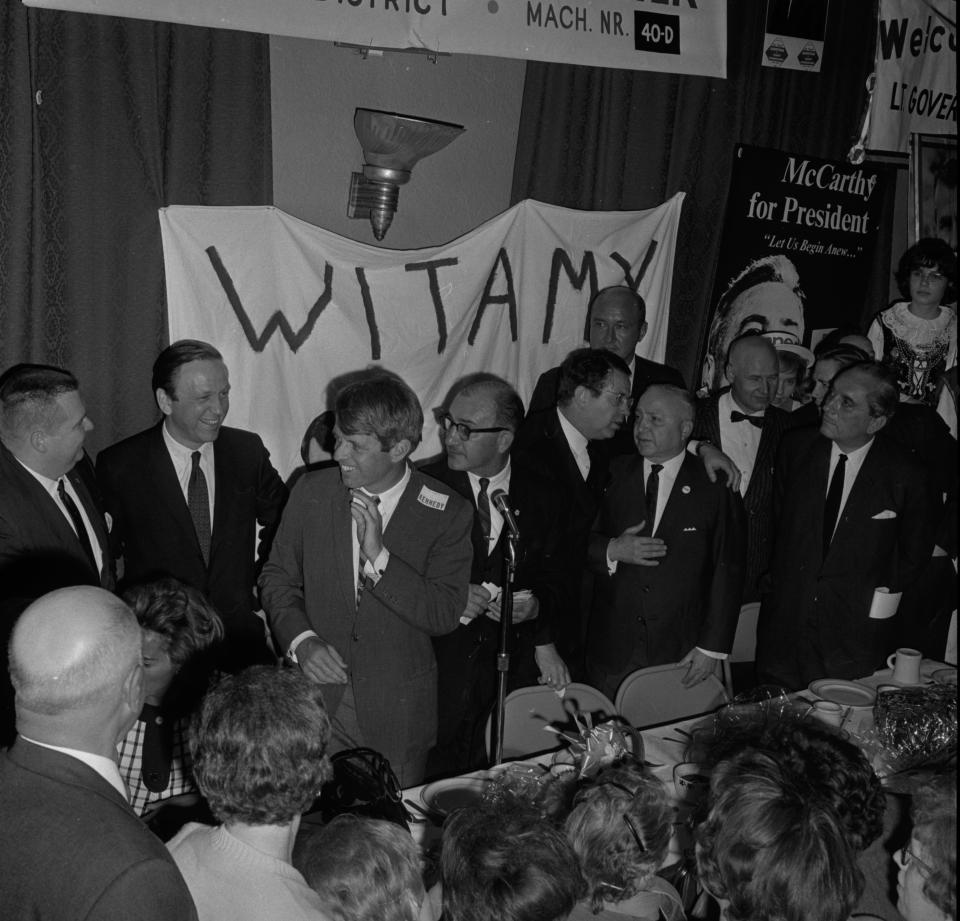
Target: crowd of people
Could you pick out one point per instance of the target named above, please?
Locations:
(190, 638)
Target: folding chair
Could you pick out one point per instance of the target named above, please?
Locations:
(650, 696)
(528, 710)
(744, 642)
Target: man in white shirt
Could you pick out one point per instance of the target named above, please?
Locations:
(188, 496)
(570, 445)
(75, 664)
(480, 420)
(53, 531)
(854, 528)
(668, 547)
(742, 423)
(369, 562)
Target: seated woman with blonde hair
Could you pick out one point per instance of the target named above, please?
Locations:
(620, 828)
(364, 870)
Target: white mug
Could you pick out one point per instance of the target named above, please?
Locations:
(829, 712)
(906, 665)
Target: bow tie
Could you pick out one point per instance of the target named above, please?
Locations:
(756, 421)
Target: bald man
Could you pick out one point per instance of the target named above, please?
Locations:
(616, 321)
(668, 547)
(70, 845)
(741, 422)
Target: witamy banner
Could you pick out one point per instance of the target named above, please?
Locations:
(673, 36)
(915, 74)
(293, 307)
(796, 250)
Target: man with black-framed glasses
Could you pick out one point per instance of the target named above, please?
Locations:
(482, 415)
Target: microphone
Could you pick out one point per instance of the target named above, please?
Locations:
(501, 502)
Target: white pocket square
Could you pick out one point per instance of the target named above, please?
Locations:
(886, 513)
(688, 529)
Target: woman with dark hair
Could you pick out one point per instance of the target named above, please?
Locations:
(772, 848)
(620, 827)
(178, 626)
(917, 337)
(259, 746)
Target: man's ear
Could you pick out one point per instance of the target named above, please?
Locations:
(38, 441)
(400, 450)
(164, 401)
(686, 429)
(505, 441)
(132, 688)
(875, 424)
(643, 332)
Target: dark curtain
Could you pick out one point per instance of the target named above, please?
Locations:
(602, 139)
(103, 121)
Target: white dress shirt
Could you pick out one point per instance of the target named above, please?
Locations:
(182, 458)
(855, 461)
(375, 569)
(51, 487)
(738, 440)
(578, 444)
(498, 481)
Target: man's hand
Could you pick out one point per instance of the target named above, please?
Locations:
(639, 551)
(366, 514)
(477, 600)
(553, 670)
(525, 607)
(321, 662)
(715, 461)
(700, 666)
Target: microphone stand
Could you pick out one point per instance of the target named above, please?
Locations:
(503, 654)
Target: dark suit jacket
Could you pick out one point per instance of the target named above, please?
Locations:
(654, 615)
(645, 373)
(72, 848)
(39, 550)
(883, 538)
(310, 583)
(466, 658)
(155, 534)
(758, 500)
(542, 446)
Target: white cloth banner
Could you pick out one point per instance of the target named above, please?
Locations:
(915, 73)
(680, 38)
(292, 306)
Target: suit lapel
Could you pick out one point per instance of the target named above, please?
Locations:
(95, 516)
(673, 512)
(162, 477)
(858, 504)
(341, 534)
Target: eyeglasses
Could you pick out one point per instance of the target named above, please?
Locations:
(619, 397)
(907, 857)
(464, 431)
(928, 275)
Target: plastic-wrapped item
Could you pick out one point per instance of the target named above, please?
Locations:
(603, 744)
(916, 726)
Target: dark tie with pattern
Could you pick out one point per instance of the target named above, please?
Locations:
(831, 507)
(483, 508)
(653, 488)
(756, 421)
(198, 501)
(361, 559)
(77, 520)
